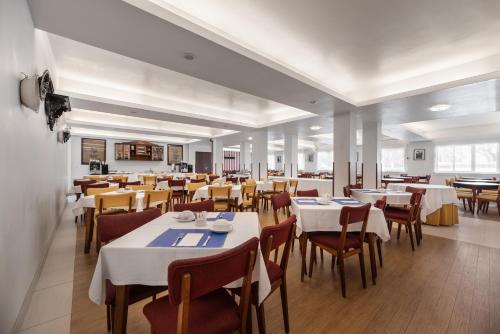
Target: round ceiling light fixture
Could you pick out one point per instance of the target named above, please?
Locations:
(250, 138)
(440, 107)
(315, 127)
(189, 56)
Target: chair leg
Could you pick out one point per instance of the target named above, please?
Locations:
(312, 258)
(411, 237)
(321, 254)
(261, 319)
(379, 251)
(108, 317)
(417, 237)
(333, 262)
(342, 275)
(284, 305)
(399, 230)
(362, 268)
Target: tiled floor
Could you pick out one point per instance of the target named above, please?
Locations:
(50, 307)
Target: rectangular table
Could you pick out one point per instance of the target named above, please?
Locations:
(394, 197)
(128, 260)
(202, 193)
(325, 218)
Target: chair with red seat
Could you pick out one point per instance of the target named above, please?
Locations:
(82, 184)
(271, 239)
(406, 216)
(418, 225)
(308, 193)
(381, 204)
(178, 190)
(281, 202)
(112, 227)
(343, 244)
(207, 205)
(347, 189)
(196, 304)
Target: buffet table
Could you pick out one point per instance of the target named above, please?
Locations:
(439, 204)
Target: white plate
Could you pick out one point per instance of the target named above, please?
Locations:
(227, 229)
(184, 220)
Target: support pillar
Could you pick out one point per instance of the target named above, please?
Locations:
(344, 151)
(291, 155)
(217, 155)
(371, 153)
(259, 154)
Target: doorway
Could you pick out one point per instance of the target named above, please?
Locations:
(203, 162)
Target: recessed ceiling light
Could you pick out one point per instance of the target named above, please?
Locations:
(440, 107)
(315, 127)
(189, 56)
(250, 138)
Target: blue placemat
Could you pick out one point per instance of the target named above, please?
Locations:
(304, 201)
(229, 216)
(347, 201)
(167, 238)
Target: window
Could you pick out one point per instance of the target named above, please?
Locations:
(271, 164)
(325, 160)
(393, 159)
(486, 157)
(300, 161)
(482, 158)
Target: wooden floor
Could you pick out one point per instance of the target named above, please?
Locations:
(445, 286)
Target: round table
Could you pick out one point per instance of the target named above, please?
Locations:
(476, 188)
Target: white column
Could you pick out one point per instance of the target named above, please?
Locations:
(371, 153)
(217, 155)
(344, 151)
(259, 154)
(245, 156)
(290, 155)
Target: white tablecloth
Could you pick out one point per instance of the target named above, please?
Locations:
(435, 196)
(264, 185)
(127, 260)
(89, 202)
(393, 197)
(202, 193)
(316, 218)
(323, 186)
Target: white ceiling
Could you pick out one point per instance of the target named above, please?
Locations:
(362, 51)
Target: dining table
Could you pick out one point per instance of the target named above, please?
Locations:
(476, 187)
(439, 204)
(314, 216)
(387, 180)
(393, 197)
(143, 256)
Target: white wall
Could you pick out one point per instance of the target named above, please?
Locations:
(33, 165)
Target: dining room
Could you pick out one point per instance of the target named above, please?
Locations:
(250, 166)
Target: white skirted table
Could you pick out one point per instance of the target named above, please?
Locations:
(439, 204)
(322, 185)
(394, 197)
(132, 259)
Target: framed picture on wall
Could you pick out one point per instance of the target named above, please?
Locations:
(174, 154)
(278, 159)
(93, 149)
(419, 154)
(310, 157)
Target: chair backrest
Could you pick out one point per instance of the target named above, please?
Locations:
(114, 226)
(415, 179)
(351, 215)
(415, 201)
(410, 189)
(250, 182)
(279, 186)
(107, 201)
(80, 182)
(408, 180)
(96, 177)
(141, 187)
(213, 177)
(272, 237)
(192, 186)
(187, 279)
(207, 205)
(177, 184)
(119, 178)
(95, 184)
(126, 184)
(223, 192)
(293, 184)
(157, 197)
(281, 201)
(308, 193)
(96, 191)
(347, 189)
(198, 181)
(381, 203)
(233, 180)
(149, 179)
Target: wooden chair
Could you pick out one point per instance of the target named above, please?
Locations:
(119, 178)
(126, 184)
(212, 177)
(83, 184)
(249, 198)
(484, 199)
(192, 187)
(178, 190)
(278, 187)
(406, 217)
(111, 227)
(380, 204)
(196, 304)
(292, 187)
(250, 182)
(145, 187)
(158, 198)
(94, 185)
(271, 239)
(308, 193)
(96, 178)
(207, 205)
(344, 244)
(107, 204)
(149, 179)
(347, 189)
(97, 191)
(221, 197)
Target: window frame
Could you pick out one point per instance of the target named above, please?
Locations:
(473, 158)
